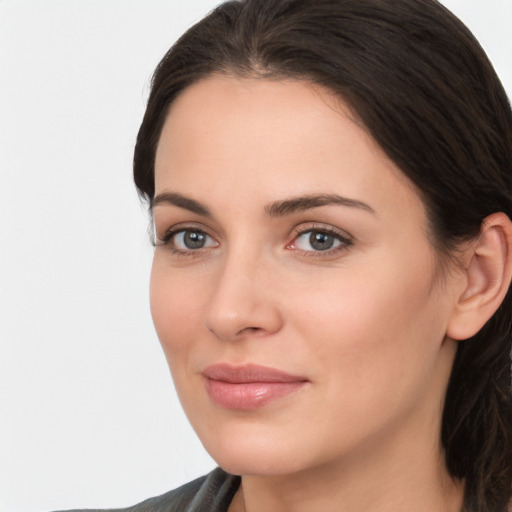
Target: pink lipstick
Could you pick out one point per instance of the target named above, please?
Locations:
(249, 386)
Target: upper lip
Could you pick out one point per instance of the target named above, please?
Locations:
(248, 373)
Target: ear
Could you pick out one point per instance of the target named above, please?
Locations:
(487, 273)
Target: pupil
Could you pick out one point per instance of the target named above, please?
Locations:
(194, 240)
(321, 241)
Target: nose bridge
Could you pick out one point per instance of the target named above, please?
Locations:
(241, 302)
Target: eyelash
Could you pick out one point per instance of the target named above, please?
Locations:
(344, 241)
(167, 240)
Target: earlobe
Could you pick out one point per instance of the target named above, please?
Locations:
(488, 275)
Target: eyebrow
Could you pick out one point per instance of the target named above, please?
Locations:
(181, 202)
(297, 204)
(276, 209)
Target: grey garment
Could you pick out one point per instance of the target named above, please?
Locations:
(211, 493)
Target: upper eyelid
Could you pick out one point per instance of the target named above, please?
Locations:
(184, 226)
(320, 227)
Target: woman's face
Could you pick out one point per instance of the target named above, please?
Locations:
(294, 288)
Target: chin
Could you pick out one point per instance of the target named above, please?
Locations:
(254, 462)
(240, 450)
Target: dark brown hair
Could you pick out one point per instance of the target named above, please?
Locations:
(422, 86)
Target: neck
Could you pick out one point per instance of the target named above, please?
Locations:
(416, 481)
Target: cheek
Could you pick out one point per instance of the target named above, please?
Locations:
(372, 326)
(372, 351)
(175, 308)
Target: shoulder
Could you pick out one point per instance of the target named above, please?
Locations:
(211, 493)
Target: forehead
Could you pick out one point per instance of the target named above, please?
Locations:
(274, 137)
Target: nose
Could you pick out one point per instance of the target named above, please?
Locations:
(244, 302)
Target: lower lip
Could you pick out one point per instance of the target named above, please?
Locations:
(249, 395)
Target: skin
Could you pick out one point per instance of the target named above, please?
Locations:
(364, 322)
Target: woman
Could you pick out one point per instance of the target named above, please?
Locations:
(331, 189)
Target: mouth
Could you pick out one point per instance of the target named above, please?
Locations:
(250, 386)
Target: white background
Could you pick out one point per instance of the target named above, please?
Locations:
(88, 415)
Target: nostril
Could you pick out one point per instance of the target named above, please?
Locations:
(249, 330)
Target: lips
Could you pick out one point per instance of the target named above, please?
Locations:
(249, 386)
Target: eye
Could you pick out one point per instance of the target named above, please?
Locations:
(185, 240)
(319, 240)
